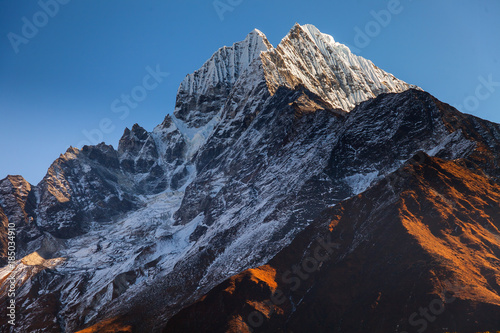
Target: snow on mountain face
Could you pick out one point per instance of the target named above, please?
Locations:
(386, 244)
(304, 57)
(327, 68)
(202, 93)
(252, 154)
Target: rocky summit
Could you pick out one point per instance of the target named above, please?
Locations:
(296, 188)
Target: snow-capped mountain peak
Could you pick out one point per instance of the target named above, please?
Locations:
(304, 57)
(323, 41)
(215, 79)
(327, 68)
(251, 157)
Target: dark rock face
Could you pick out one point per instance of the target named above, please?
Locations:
(283, 187)
(209, 104)
(302, 168)
(328, 69)
(17, 206)
(18, 200)
(81, 186)
(134, 143)
(95, 183)
(140, 157)
(427, 225)
(206, 90)
(178, 145)
(337, 154)
(260, 148)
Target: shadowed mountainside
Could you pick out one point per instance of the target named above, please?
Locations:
(430, 238)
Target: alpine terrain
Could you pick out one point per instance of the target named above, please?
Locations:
(294, 188)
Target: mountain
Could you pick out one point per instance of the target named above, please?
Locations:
(419, 256)
(326, 68)
(265, 146)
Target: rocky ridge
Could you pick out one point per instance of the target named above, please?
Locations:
(261, 141)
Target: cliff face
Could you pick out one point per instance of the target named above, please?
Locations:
(328, 69)
(420, 252)
(17, 207)
(262, 143)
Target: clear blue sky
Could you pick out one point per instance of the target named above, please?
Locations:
(64, 79)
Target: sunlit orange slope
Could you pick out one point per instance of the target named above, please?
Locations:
(429, 237)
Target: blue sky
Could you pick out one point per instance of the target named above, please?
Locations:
(64, 77)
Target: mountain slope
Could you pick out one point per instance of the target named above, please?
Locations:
(261, 142)
(203, 93)
(432, 241)
(366, 148)
(327, 68)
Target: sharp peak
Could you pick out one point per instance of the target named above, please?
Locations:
(135, 128)
(14, 178)
(251, 35)
(72, 149)
(256, 32)
(311, 30)
(304, 26)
